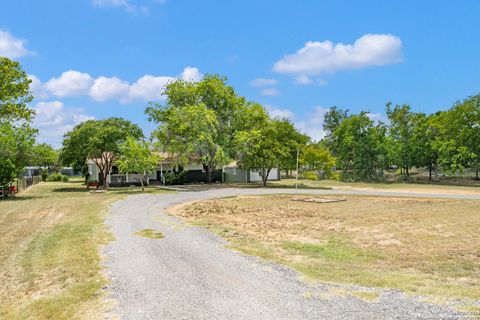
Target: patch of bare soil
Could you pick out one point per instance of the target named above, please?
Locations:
(420, 245)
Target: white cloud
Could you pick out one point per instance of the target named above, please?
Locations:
(270, 92)
(263, 82)
(280, 113)
(150, 87)
(312, 123)
(37, 88)
(191, 74)
(53, 120)
(303, 79)
(75, 83)
(326, 57)
(11, 47)
(104, 88)
(70, 83)
(321, 82)
(127, 5)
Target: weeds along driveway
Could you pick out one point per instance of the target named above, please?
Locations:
(186, 272)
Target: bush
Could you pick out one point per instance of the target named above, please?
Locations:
(175, 177)
(44, 174)
(334, 175)
(57, 177)
(7, 171)
(310, 175)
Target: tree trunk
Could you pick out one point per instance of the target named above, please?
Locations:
(430, 171)
(141, 182)
(105, 181)
(209, 173)
(265, 173)
(476, 173)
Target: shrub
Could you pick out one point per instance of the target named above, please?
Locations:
(44, 174)
(335, 175)
(57, 177)
(175, 177)
(310, 175)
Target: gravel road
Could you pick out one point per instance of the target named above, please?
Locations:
(190, 274)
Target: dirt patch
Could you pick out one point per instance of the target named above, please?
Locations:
(423, 246)
(318, 200)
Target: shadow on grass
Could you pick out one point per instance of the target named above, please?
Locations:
(281, 186)
(72, 189)
(19, 198)
(132, 191)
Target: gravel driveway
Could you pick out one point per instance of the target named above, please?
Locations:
(190, 274)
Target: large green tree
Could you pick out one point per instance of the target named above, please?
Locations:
(200, 121)
(137, 156)
(267, 146)
(16, 143)
(401, 131)
(360, 148)
(44, 155)
(16, 136)
(15, 92)
(317, 158)
(98, 141)
(461, 128)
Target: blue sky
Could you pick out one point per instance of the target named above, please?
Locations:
(100, 58)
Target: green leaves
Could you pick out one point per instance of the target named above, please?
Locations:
(201, 119)
(14, 92)
(359, 147)
(99, 141)
(317, 158)
(16, 143)
(44, 155)
(137, 156)
(272, 144)
(16, 136)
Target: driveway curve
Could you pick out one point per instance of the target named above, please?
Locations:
(189, 274)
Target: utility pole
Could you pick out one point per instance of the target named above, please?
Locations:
(296, 175)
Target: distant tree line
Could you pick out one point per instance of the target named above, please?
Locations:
(446, 140)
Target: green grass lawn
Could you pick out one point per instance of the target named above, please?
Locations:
(50, 262)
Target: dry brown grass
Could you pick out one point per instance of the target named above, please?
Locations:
(50, 263)
(425, 247)
(384, 187)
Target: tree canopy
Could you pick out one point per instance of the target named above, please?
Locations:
(270, 145)
(200, 120)
(360, 148)
(137, 156)
(16, 136)
(15, 92)
(44, 155)
(98, 141)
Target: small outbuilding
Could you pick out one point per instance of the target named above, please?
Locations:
(233, 173)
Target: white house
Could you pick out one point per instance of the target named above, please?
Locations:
(194, 172)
